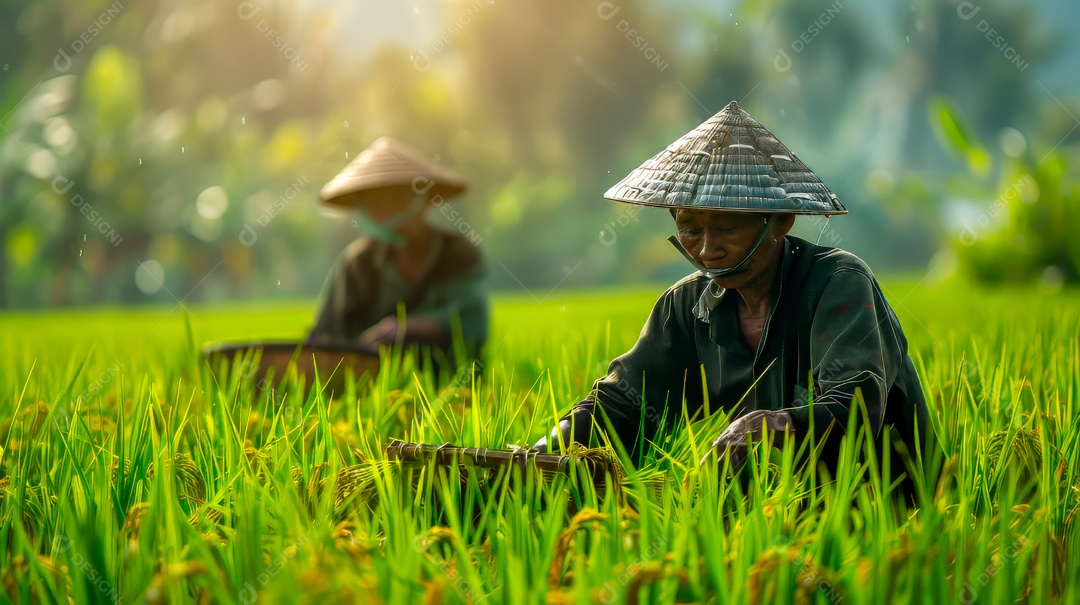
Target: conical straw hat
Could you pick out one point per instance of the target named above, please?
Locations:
(729, 162)
(389, 162)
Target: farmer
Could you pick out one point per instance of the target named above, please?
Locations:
(764, 314)
(437, 275)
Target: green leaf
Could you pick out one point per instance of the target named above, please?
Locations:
(955, 136)
(112, 87)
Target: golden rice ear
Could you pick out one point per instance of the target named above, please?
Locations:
(132, 523)
(599, 462)
(1071, 524)
(1016, 460)
(355, 486)
(729, 162)
(18, 575)
(1022, 453)
(309, 492)
(586, 518)
(190, 488)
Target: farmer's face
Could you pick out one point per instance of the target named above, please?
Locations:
(720, 240)
(384, 203)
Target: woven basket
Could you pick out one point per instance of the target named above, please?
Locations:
(272, 362)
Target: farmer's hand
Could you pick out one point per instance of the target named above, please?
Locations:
(569, 430)
(319, 339)
(734, 443)
(383, 333)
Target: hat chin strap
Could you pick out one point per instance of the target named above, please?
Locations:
(714, 273)
(385, 231)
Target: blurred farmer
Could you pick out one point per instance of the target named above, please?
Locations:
(435, 275)
(767, 324)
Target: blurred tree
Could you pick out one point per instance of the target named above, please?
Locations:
(158, 104)
(988, 73)
(559, 96)
(192, 135)
(1021, 229)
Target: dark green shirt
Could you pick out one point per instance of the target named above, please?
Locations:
(829, 330)
(365, 286)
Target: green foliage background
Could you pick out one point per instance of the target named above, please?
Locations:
(141, 110)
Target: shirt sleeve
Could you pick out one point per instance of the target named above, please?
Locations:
(341, 304)
(855, 345)
(648, 380)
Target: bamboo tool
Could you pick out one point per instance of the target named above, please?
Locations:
(272, 360)
(580, 464)
(419, 454)
(595, 464)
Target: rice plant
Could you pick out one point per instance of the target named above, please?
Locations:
(133, 470)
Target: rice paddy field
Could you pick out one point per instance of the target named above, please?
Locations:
(134, 471)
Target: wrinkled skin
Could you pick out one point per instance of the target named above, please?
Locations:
(733, 445)
(720, 240)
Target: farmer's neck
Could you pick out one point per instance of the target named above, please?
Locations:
(756, 288)
(414, 255)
